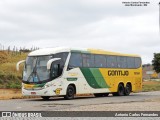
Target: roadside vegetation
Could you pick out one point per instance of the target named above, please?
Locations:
(9, 77)
(151, 86)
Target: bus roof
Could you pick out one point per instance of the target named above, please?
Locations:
(50, 51)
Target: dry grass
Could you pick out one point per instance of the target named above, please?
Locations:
(151, 86)
(10, 93)
(150, 82)
(9, 77)
(13, 94)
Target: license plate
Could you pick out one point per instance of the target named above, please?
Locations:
(33, 93)
(28, 86)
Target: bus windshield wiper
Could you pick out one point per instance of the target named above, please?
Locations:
(34, 70)
(34, 73)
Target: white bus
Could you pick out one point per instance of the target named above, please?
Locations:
(66, 71)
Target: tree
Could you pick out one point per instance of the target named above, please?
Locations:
(156, 62)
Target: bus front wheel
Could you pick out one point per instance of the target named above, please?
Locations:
(69, 93)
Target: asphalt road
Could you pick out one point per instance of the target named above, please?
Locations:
(59, 104)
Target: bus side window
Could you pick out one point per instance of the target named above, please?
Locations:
(63, 57)
(84, 59)
(122, 62)
(100, 61)
(55, 70)
(131, 62)
(111, 61)
(88, 60)
(119, 66)
(137, 62)
(75, 60)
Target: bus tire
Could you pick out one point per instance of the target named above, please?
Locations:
(120, 91)
(127, 89)
(101, 94)
(69, 93)
(45, 97)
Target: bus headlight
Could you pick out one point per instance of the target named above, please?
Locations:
(47, 85)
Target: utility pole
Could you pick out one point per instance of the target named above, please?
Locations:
(159, 17)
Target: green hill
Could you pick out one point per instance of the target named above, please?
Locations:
(9, 77)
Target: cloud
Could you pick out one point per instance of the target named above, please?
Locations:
(104, 24)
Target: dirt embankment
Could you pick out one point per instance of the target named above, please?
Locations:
(10, 93)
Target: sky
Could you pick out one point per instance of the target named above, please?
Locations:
(102, 24)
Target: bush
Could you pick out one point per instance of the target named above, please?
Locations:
(1, 81)
(10, 80)
(9, 77)
(16, 86)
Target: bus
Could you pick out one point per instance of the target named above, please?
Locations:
(64, 71)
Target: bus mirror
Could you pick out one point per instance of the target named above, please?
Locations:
(49, 63)
(17, 66)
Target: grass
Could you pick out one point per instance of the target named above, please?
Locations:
(9, 77)
(151, 86)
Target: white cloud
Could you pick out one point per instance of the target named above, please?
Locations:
(104, 24)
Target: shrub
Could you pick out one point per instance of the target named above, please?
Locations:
(9, 77)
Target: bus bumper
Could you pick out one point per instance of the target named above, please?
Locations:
(42, 92)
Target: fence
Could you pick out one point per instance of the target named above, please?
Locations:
(16, 50)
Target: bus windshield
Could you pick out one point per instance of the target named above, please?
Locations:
(35, 70)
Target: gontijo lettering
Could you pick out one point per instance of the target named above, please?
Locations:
(118, 73)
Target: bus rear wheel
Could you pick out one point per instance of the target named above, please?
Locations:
(120, 91)
(101, 94)
(69, 93)
(127, 89)
(45, 97)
